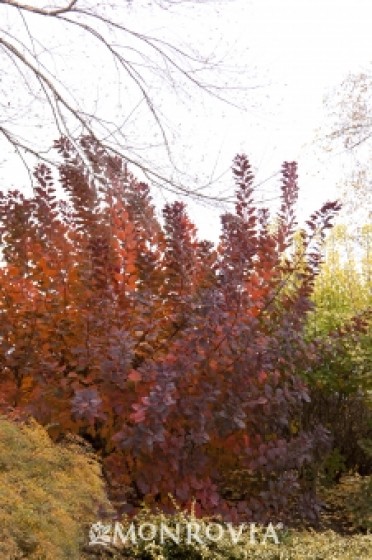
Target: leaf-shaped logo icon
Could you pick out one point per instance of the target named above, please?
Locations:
(100, 534)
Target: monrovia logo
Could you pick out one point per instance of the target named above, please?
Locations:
(116, 534)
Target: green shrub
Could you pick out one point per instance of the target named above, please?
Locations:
(333, 468)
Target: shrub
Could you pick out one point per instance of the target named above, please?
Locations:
(47, 494)
(178, 360)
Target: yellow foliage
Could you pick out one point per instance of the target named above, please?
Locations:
(344, 287)
(49, 494)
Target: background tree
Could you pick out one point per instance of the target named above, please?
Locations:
(341, 386)
(349, 133)
(344, 287)
(122, 66)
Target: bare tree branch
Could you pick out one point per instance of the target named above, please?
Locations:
(348, 133)
(41, 11)
(134, 55)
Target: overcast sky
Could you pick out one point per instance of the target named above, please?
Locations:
(285, 55)
(302, 49)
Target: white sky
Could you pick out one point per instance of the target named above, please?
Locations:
(294, 50)
(303, 48)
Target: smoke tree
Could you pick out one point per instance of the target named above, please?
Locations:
(179, 361)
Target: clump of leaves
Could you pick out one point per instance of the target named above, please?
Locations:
(47, 494)
(333, 467)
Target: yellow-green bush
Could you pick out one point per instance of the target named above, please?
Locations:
(293, 545)
(48, 493)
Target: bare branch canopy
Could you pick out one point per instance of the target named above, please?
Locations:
(36, 81)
